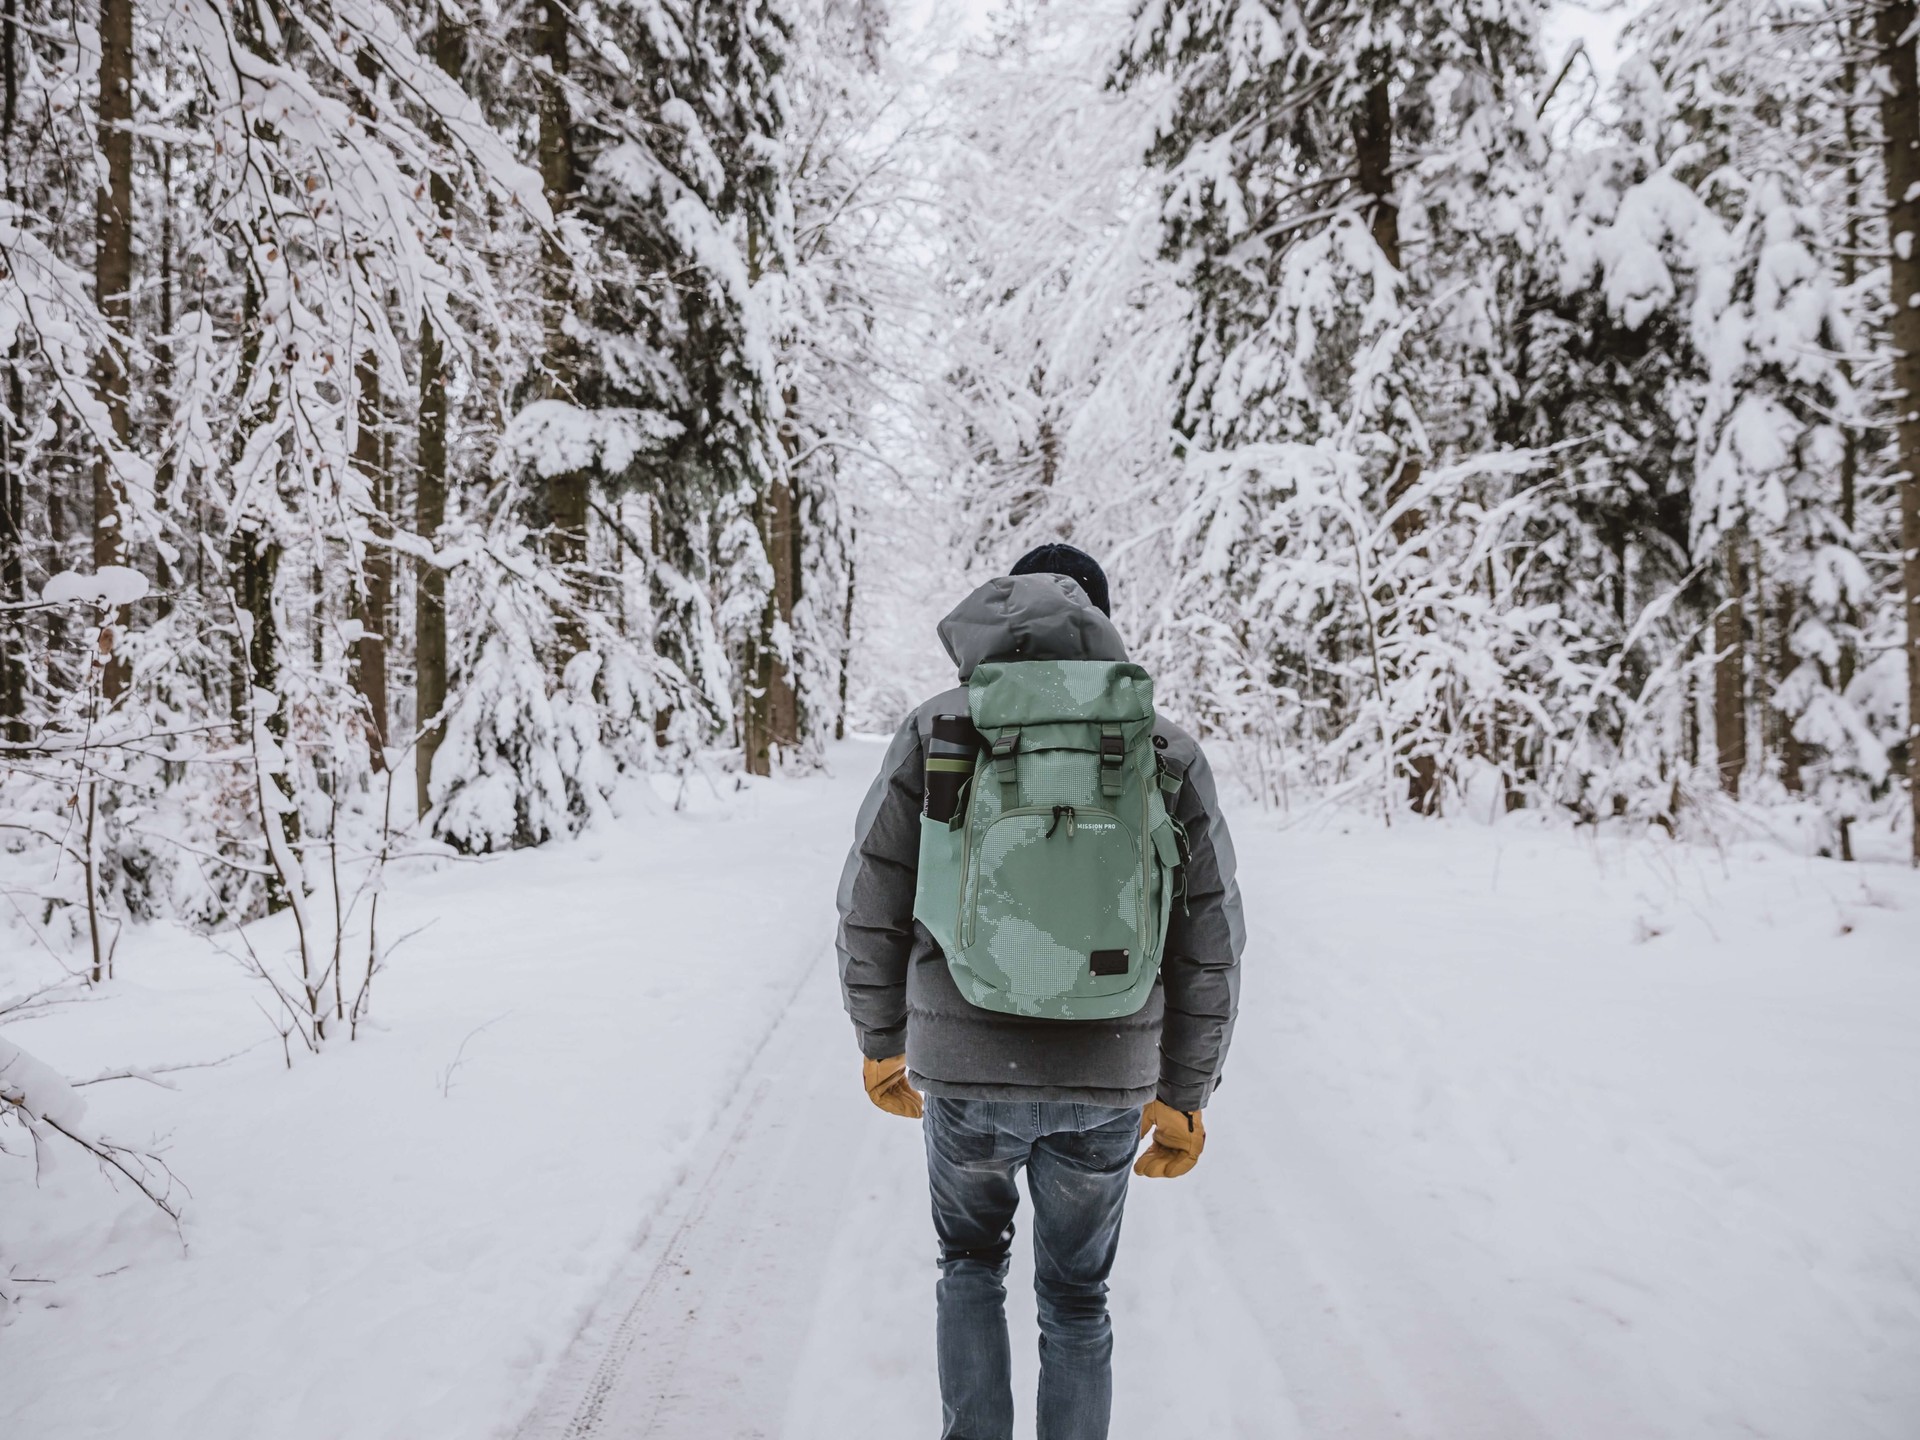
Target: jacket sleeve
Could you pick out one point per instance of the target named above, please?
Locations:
(875, 937)
(1204, 941)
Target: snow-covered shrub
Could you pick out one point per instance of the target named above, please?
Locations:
(518, 764)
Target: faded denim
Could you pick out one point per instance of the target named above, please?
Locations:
(1078, 1159)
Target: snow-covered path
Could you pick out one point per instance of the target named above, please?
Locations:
(1524, 1134)
(1488, 1166)
(786, 1289)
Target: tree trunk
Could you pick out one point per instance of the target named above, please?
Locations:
(1690, 709)
(770, 717)
(1900, 128)
(13, 483)
(566, 495)
(163, 376)
(790, 723)
(1762, 736)
(1730, 670)
(255, 559)
(1793, 756)
(664, 716)
(1849, 486)
(62, 476)
(1373, 156)
(430, 581)
(237, 548)
(846, 634)
(13, 632)
(756, 748)
(372, 588)
(770, 709)
(1854, 206)
(783, 533)
(430, 496)
(370, 650)
(113, 291)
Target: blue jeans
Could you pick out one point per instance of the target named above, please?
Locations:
(1078, 1159)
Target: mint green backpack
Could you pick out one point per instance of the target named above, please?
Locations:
(1050, 889)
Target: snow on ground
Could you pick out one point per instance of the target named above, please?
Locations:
(395, 1239)
(1525, 1133)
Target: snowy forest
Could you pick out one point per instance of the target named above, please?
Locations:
(434, 412)
(444, 442)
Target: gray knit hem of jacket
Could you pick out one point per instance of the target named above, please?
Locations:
(894, 978)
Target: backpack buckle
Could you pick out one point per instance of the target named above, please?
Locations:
(1113, 756)
(1006, 758)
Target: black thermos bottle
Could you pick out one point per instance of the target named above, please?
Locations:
(952, 754)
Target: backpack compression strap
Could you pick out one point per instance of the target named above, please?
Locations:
(1171, 779)
(1113, 755)
(1006, 757)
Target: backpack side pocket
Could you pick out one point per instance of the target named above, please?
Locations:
(936, 886)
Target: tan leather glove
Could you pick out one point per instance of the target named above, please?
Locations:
(887, 1086)
(1178, 1138)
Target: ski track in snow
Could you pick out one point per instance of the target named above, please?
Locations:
(1524, 1135)
(789, 1287)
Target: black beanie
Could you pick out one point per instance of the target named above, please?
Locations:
(1076, 565)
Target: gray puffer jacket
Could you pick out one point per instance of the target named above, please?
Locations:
(895, 980)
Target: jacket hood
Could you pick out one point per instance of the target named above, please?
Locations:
(1028, 617)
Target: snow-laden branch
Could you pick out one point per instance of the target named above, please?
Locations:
(39, 1098)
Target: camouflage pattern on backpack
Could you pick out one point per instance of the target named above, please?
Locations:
(1050, 888)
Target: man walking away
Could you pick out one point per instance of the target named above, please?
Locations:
(1040, 930)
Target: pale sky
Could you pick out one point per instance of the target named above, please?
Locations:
(1597, 22)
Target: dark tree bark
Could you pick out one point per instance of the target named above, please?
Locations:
(430, 496)
(1849, 274)
(1900, 131)
(373, 587)
(1849, 486)
(370, 650)
(1793, 757)
(1690, 711)
(566, 495)
(770, 708)
(663, 717)
(63, 476)
(430, 581)
(1730, 669)
(770, 717)
(255, 561)
(239, 565)
(1373, 156)
(163, 372)
(846, 634)
(783, 539)
(789, 723)
(13, 483)
(113, 287)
